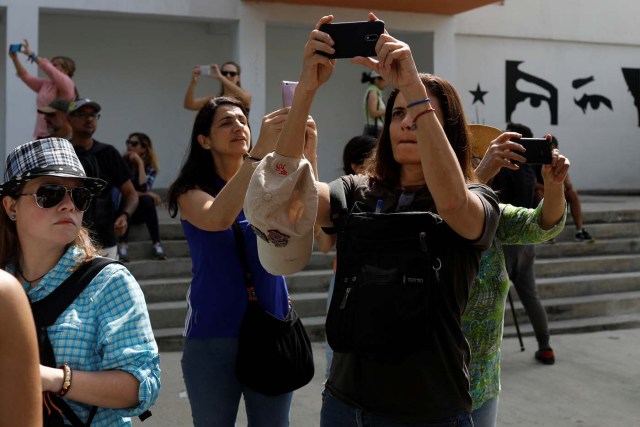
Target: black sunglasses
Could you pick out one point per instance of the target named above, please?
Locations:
(50, 195)
(132, 143)
(229, 73)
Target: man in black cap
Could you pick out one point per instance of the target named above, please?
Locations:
(55, 116)
(106, 218)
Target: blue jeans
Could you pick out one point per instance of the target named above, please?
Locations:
(487, 414)
(208, 369)
(336, 413)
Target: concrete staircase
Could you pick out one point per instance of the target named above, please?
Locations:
(588, 286)
(584, 286)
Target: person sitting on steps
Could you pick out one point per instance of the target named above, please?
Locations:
(143, 163)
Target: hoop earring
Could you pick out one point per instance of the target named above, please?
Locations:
(13, 217)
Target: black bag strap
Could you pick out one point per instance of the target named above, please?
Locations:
(48, 309)
(337, 200)
(46, 312)
(240, 247)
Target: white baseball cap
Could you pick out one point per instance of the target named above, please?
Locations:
(281, 205)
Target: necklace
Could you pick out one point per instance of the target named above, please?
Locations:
(29, 282)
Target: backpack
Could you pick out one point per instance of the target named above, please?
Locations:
(45, 313)
(386, 279)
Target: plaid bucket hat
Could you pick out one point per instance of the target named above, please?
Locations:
(45, 157)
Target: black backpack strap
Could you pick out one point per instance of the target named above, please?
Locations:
(46, 312)
(338, 200)
(48, 309)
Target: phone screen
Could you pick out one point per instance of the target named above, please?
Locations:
(353, 38)
(15, 48)
(538, 150)
(288, 88)
(205, 70)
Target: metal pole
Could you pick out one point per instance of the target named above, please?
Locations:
(515, 320)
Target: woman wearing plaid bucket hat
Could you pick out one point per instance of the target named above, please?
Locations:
(42, 242)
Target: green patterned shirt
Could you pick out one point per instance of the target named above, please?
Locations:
(483, 319)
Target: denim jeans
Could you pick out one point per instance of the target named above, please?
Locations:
(208, 368)
(487, 414)
(336, 413)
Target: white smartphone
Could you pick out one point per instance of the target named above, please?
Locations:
(288, 88)
(205, 70)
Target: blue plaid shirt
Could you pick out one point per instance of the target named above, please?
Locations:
(106, 327)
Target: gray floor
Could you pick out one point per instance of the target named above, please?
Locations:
(594, 383)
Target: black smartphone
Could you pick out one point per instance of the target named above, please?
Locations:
(538, 150)
(353, 38)
(15, 48)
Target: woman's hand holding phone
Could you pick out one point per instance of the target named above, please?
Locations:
(272, 125)
(317, 68)
(395, 63)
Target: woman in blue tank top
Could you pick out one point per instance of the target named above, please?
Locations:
(209, 194)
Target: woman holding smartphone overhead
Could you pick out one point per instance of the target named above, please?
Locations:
(422, 167)
(59, 84)
(228, 75)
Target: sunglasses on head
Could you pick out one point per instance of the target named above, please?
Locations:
(50, 195)
(229, 73)
(132, 143)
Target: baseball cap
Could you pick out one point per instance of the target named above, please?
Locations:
(281, 205)
(59, 104)
(481, 138)
(81, 102)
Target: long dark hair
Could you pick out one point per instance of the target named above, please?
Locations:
(357, 150)
(198, 169)
(384, 168)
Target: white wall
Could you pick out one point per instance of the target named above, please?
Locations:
(603, 145)
(138, 70)
(135, 58)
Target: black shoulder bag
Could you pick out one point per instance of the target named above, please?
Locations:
(274, 356)
(45, 313)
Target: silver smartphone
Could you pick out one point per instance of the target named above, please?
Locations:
(205, 70)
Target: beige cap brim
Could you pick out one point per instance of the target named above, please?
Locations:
(481, 138)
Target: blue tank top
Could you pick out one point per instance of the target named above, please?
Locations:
(217, 296)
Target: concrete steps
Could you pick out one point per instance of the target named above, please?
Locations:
(584, 286)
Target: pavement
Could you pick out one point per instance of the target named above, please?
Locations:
(594, 383)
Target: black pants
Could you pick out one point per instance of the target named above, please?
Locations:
(145, 212)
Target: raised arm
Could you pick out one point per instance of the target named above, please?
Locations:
(239, 93)
(64, 84)
(554, 203)
(458, 206)
(218, 213)
(190, 101)
(316, 70)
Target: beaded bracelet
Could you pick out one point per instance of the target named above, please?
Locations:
(66, 382)
(414, 126)
(33, 57)
(422, 101)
